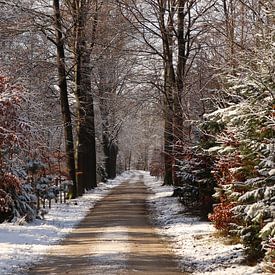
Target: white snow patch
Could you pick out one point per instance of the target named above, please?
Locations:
(198, 249)
(271, 172)
(21, 246)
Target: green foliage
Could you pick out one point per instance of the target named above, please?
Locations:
(195, 170)
(244, 152)
(16, 199)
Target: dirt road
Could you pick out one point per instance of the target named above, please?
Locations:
(115, 238)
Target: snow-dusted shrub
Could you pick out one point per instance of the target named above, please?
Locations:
(6, 206)
(195, 170)
(45, 189)
(243, 170)
(15, 200)
(44, 186)
(101, 172)
(245, 146)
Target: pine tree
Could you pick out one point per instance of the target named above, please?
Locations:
(245, 148)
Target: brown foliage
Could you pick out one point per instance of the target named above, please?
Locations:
(10, 183)
(222, 216)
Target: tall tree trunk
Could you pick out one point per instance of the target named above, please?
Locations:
(169, 85)
(178, 120)
(168, 125)
(129, 160)
(65, 108)
(228, 9)
(110, 148)
(86, 144)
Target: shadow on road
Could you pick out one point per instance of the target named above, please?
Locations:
(116, 237)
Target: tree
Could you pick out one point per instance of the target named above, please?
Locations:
(176, 26)
(64, 101)
(114, 73)
(15, 198)
(84, 17)
(245, 155)
(33, 53)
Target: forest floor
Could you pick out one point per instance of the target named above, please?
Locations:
(130, 225)
(116, 237)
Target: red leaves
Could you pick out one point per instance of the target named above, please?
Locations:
(222, 215)
(270, 256)
(224, 171)
(5, 202)
(10, 98)
(9, 182)
(55, 163)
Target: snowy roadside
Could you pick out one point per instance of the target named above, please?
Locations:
(20, 246)
(193, 241)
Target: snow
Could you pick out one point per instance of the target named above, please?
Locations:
(20, 246)
(199, 248)
(195, 242)
(271, 172)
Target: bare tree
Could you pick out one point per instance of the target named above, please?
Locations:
(65, 108)
(112, 72)
(177, 27)
(84, 17)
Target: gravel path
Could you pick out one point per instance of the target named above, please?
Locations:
(116, 237)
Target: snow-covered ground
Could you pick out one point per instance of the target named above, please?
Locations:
(195, 243)
(22, 245)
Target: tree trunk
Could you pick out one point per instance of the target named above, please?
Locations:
(178, 120)
(169, 85)
(65, 108)
(168, 153)
(86, 144)
(168, 126)
(129, 160)
(110, 153)
(113, 160)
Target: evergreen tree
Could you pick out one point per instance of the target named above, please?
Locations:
(245, 149)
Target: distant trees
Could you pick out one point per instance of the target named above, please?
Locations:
(111, 72)
(141, 133)
(174, 32)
